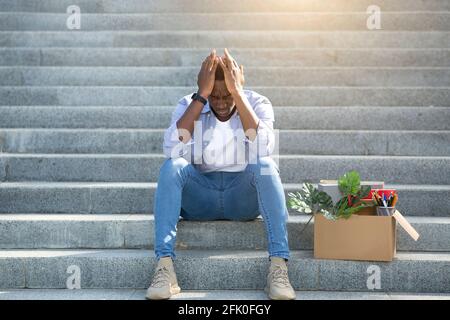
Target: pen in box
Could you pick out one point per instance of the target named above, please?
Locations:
(394, 200)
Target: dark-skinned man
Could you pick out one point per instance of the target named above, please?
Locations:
(218, 167)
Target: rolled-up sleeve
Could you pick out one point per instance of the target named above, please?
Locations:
(172, 146)
(264, 142)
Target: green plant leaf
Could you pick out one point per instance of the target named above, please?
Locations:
(309, 200)
(349, 183)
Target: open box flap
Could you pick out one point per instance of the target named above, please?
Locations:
(406, 225)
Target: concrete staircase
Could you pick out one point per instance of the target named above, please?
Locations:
(82, 115)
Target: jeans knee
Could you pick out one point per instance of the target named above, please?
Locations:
(172, 166)
(264, 166)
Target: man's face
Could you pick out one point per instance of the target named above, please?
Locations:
(221, 101)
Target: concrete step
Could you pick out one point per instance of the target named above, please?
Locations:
(304, 21)
(132, 294)
(137, 198)
(180, 6)
(35, 231)
(282, 96)
(182, 57)
(156, 117)
(255, 76)
(219, 270)
(293, 168)
(231, 39)
(307, 142)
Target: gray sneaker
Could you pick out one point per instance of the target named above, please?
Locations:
(164, 284)
(278, 285)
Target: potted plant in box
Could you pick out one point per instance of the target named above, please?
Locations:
(311, 201)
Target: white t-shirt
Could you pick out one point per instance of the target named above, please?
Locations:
(220, 149)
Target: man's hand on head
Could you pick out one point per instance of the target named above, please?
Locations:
(206, 76)
(233, 73)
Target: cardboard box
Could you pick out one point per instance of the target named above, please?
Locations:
(367, 238)
(361, 237)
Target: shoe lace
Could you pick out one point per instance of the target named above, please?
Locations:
(280, 275)
(161, 277)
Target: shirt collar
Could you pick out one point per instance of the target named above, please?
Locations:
(206, 108)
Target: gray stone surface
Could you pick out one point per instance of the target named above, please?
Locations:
(230, 39)
(65, 294)
(285, 96)
(13, 273)
(305, 21)
(427, 170)
(293, 168)
(206, 270)
(98, 269)
(257, 76)
(437, 231)
(41, 197)
(102, 232)
(164, 6)
(362, 118)
(158, 117)
(131, 294)
(191, 57)
(137, 231)
(409, 274)
(36, 198)
(395, 143)
(311, 142)
(112, 198)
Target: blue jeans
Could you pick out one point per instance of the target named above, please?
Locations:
(239, 196)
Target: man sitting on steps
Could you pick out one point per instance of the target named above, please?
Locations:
(221, 179)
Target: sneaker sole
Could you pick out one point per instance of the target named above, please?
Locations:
(173, 291)
(266, 290)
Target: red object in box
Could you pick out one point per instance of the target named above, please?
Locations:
(381, 192)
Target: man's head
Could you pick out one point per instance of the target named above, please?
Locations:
(221, 100)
